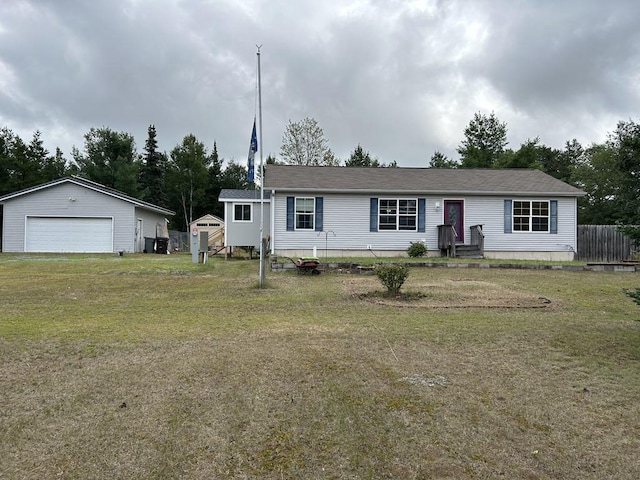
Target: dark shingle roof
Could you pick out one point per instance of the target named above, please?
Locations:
(230, 194)
(416, 180)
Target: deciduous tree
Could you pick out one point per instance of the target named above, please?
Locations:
(187, 178)
(304, 143)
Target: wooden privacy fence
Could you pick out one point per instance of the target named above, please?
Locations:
(603, 243)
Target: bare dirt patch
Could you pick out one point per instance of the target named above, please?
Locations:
(446, 294)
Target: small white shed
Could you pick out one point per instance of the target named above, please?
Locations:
(213, 226)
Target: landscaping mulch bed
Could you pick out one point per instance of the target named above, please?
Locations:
(446, 294)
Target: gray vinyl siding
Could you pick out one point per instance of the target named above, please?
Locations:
(245, 234)
(55, 201)
(490, 212)
(149, 221)
(347, 216)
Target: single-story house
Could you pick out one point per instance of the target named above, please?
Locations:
(245, 211)
(73, 214)
(508, 213)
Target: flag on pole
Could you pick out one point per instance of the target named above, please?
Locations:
(253, 148)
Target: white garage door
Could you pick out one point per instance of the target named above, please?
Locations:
(69, 234)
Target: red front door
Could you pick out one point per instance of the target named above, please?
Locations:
(454, 215)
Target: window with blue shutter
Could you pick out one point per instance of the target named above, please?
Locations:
(373, 215)
(553, 219)
(421, 214)
(507, 216)
(531, 216)
(319, 213)
(290, 213)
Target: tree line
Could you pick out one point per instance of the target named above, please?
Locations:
(189, 178)
(609, 173)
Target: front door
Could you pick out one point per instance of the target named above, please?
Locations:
(454, 215)
(138, 240)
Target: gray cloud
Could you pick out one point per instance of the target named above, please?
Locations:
(401, 78)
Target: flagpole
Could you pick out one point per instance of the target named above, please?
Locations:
(262, 242)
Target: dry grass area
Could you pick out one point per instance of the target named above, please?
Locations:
(147, 367)
(448, 293)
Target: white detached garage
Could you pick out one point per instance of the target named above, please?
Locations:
(74, 215)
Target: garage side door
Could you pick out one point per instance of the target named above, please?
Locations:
(69, 234)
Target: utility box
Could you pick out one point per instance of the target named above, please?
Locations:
(204, 242)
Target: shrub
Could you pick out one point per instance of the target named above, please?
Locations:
(392, 277)
(633, 294)
(416, 249)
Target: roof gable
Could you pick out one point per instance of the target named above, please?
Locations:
(209, 218)
(91, 186)
(416, 180)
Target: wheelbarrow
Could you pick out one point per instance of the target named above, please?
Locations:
(307, 266)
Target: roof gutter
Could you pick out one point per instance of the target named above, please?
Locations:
(429, 192)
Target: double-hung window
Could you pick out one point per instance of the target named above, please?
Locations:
(398, 214)
(530, 216)
(305, 213)
(242, 212)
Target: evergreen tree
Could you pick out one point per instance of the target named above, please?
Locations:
(55, 167)
(152, 171)
(485, 139)
(361, 158)
(109, 158)
(234, 177)
(440, 160)
(214, 185)
(625, 140)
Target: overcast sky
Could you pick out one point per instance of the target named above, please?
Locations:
(401, 78)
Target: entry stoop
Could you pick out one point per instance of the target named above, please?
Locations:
(468, 251)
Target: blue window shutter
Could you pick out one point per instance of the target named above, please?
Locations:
(507, 216)
(373, 215)
(319, 213)
(421, 214)
(553, 220)
(290, 213)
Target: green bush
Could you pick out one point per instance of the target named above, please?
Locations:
(416, 249)
(634, 294)
(392, 277)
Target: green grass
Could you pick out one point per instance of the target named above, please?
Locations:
(304, 380)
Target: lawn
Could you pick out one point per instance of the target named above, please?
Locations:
(148, 366)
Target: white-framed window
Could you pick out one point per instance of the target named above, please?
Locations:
(305, 213)
(530, 216)
(241, 212)
(397, 214)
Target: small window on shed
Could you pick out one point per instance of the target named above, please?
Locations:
(242, 212)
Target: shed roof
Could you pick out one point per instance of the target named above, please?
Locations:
(83, 182)
(416, 180)
(208, 217)
(230, 195)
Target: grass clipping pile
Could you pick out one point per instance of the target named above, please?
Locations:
(445, 294)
